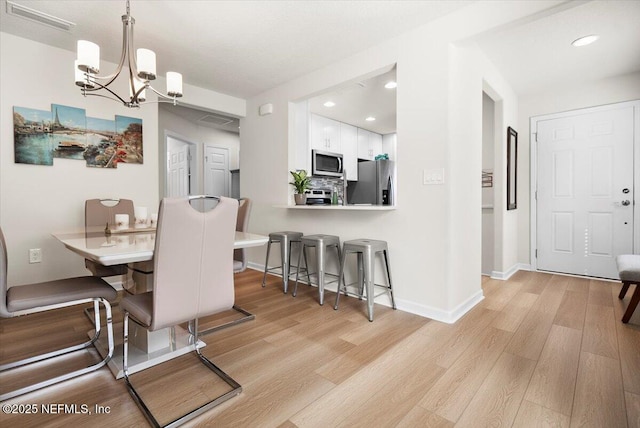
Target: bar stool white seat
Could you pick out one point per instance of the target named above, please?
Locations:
(321, 243)
(285, 239)
(366, 250)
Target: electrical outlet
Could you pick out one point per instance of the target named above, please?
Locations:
(35, 255)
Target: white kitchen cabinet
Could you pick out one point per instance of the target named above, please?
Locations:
(363, 144)
(389, 145)
(375, 144)
(369, 144)
(325, 134)
(349, 146)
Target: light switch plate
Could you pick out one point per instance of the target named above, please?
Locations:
(433, 176)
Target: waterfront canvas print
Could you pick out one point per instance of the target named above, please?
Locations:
(129, 139)
(68, 131)
(101, 143)
(32, 136)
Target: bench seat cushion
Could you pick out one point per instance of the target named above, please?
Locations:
(31, 296)
(629, 267)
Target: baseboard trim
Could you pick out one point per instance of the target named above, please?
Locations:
(437, 314)
(513, 269)
(426, 311)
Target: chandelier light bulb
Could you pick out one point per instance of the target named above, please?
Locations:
(174, 84)
(137, 85)
(146, 62)
(88, 56)
(138, 65)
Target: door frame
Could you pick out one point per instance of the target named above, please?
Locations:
(533, 169)
(193, 164)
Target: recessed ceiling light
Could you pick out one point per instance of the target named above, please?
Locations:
(390, 85)
(329, 104)
(584, 41)
(370, 119)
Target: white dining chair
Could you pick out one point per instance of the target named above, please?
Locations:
(193, 278)
(28, 299)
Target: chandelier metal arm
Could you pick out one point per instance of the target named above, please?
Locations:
(85, 92)
(138, 80)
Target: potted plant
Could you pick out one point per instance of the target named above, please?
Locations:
(301, 182)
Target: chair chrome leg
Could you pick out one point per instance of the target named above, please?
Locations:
(193, 331)
(248, 316)
(70, 349)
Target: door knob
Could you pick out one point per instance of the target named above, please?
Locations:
(626, 203)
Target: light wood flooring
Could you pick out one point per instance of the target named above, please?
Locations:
(539, 350)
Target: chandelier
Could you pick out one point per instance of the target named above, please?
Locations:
(142, 69)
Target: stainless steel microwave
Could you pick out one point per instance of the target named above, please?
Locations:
(326, 163)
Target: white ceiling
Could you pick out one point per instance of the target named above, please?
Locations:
(240, 48)
(538, 55)
(355, 101)
(243, 48)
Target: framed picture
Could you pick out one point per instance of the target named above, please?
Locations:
(512, 168)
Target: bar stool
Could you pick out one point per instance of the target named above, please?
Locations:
(366, 250)
(321, 243)
(285, 239)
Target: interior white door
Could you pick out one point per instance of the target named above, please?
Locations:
(177, 168)
(216, 171)
(585, 191)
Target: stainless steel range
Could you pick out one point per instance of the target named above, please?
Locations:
(318, 197)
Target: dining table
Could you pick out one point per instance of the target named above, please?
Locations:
(125, 246)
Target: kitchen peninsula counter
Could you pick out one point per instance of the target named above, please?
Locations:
(339, 207)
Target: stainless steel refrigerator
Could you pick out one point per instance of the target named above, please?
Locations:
(375, 185)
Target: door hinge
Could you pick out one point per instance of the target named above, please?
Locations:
(536, 253)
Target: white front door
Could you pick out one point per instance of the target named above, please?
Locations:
(177, 167)
(585, 190)
(216, 171)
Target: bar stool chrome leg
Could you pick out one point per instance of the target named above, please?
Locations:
(366, 251)
(386, 261)
(286, 240)
(266, 264)
(321, 243)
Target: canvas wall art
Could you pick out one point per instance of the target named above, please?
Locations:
(101, 143)
(129, 139)
(66, 132)
(32, 136)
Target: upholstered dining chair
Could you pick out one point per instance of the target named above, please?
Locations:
(97, 214)
(39, 297)
(242, 224)
(193, 278)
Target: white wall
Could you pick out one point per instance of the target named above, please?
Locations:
(555, 100)
(37, 200)
(434, 235)
(200, 135)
